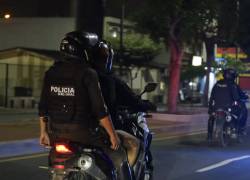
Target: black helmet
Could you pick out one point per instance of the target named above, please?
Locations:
(103, 56)
(230, 74)
(78, 44)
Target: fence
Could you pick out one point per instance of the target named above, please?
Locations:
(20, 85)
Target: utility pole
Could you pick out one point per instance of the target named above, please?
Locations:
(210, 57)
(121, 52)
(237, 28)
(122, 28)
(6, 85)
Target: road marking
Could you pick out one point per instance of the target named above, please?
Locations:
(222, 163)
(23, 158)
(43, 167)
(177, 136)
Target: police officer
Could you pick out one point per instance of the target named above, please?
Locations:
(225, 94)
(72, 101)
(115, 91)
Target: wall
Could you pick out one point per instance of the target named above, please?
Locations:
(23, 71)
(244, 81)
(41, 33)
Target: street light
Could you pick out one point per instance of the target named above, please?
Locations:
(7, 16)
(196, 61)
(114, 34)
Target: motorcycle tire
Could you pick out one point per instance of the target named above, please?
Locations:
(146, 175)
(224, 137)
(79, 176)
(57, 177)
(71, 176)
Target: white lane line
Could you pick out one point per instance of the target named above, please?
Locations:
(43, 167)
(222, 163)
(22, 158)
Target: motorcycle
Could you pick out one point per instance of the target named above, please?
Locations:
(227, 122)
(74, 161)
(225, 128)
(135, 123)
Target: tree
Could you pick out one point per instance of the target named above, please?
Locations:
(243, 35)
(179, 23)
(136, 45)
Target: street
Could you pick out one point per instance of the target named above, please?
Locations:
(183, 158)
(76, 71)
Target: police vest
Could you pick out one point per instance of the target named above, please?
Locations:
(67, 96)
(224, 95)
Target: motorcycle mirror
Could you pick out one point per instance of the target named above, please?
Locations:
(149, 88)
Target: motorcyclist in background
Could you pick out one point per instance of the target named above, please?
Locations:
(72, 105)
(115, 91)
(226, 94)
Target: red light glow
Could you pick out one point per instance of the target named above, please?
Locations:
(59, 166)
(62, 148)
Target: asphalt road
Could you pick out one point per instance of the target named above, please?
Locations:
(187, 158)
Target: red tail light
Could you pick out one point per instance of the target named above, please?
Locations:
(59, 166)
(63, 148)
(220, 113)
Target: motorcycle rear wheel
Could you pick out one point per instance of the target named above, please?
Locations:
(79, 176)
(146, 175)
(71, 176)
(224, 136)
(57, 177)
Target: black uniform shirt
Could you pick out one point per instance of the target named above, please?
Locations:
(223, 95)
(71, 94)
(117, 93)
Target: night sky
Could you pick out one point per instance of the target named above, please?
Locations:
(57, 8)
(35, 8)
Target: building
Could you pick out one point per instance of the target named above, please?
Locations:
(39, 33)
(21, 75)
(37, 41)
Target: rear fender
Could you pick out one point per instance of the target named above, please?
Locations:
(220, 119)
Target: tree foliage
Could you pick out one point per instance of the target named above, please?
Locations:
(238, 65)
(178, 22)
(191, 72)
(234, 27)
(187, 19)
(136, 43)
(243, 35)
